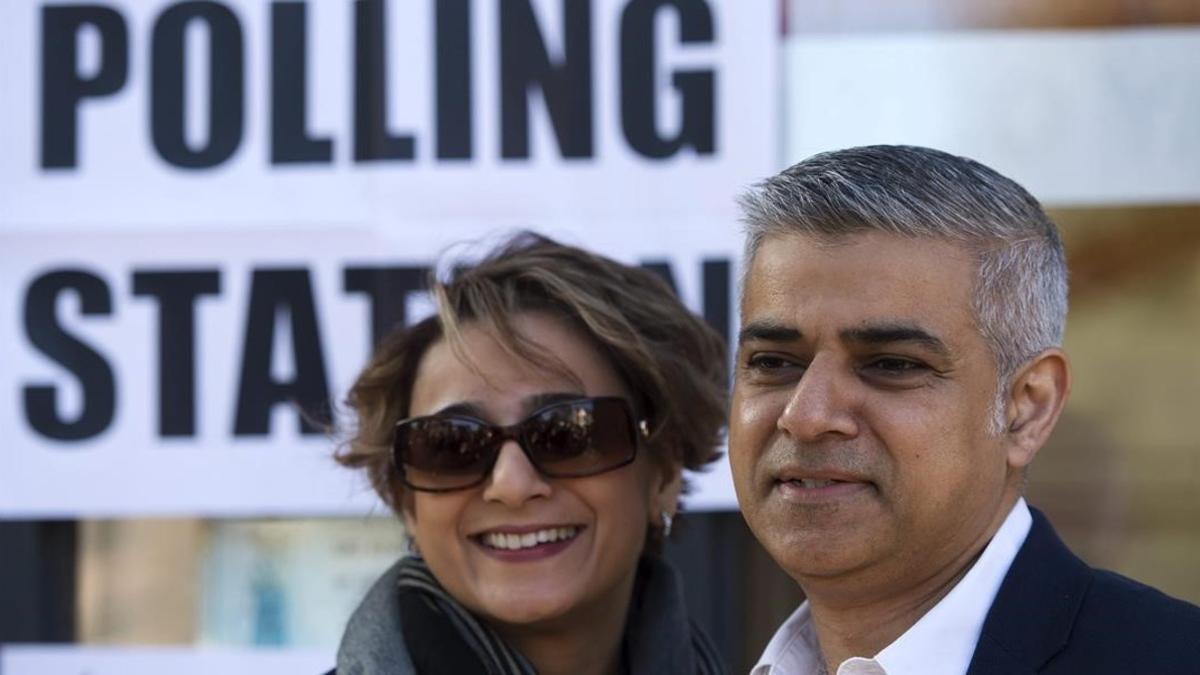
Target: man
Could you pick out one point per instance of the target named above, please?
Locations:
(898, 368)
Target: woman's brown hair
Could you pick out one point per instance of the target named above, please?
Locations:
(671, 360)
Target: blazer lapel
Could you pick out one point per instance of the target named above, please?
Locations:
(992, 658)
(1030, 621)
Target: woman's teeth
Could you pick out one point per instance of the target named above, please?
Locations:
(515, 542)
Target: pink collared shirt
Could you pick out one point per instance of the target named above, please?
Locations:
(940, 643)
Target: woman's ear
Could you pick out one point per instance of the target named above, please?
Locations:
(408, 511)
(1036, 399)
(666, 485)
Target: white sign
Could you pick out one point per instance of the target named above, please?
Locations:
(1077, 117)
(187, 116)
(209, 211)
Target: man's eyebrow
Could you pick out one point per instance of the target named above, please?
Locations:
(768, 331)
(889, 333)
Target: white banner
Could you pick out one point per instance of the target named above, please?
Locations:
(184, 116)
(170, 374)
(1077, 117)
(208, 211)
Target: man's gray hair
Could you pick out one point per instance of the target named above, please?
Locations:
(1020, 291)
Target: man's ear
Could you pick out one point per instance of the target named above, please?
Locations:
(1036, 399)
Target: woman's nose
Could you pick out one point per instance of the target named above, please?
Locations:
(514, 478)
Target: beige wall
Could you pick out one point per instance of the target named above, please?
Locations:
(902, 15)
(1121, 475)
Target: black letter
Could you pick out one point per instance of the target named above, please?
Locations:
(94, 374)
(453, 40)
(176, 293)
(637, 80)
(290, 142)
(716, 273)
(662, 269)
(388, 289)
(716, 278)
(62, 87)
(225, 90)
(272, 292)
(371, 139)
(567, 87)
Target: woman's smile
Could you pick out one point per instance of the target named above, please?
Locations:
(527, 543)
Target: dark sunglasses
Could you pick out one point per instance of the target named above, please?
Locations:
(571, 439)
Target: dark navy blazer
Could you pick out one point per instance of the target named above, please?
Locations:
(1054, 614)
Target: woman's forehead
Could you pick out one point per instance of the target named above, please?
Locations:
(485, 373)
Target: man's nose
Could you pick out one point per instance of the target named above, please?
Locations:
(514, 480)
(822, 404)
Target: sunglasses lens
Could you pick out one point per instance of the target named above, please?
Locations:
(566, 440)
(581, 438)
(443, 453)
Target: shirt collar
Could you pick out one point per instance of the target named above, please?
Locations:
(941, 642)
(944, 639)
(793, 649)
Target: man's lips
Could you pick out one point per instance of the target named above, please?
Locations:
(818, 486)
(814, 483)
(817, 477)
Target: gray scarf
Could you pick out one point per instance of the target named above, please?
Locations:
(659, 637)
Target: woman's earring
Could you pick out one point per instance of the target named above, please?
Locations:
(666, 524)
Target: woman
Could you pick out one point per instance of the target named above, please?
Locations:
(531, 436)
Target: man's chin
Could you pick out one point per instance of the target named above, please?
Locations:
(807, 552)
(820, 565)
